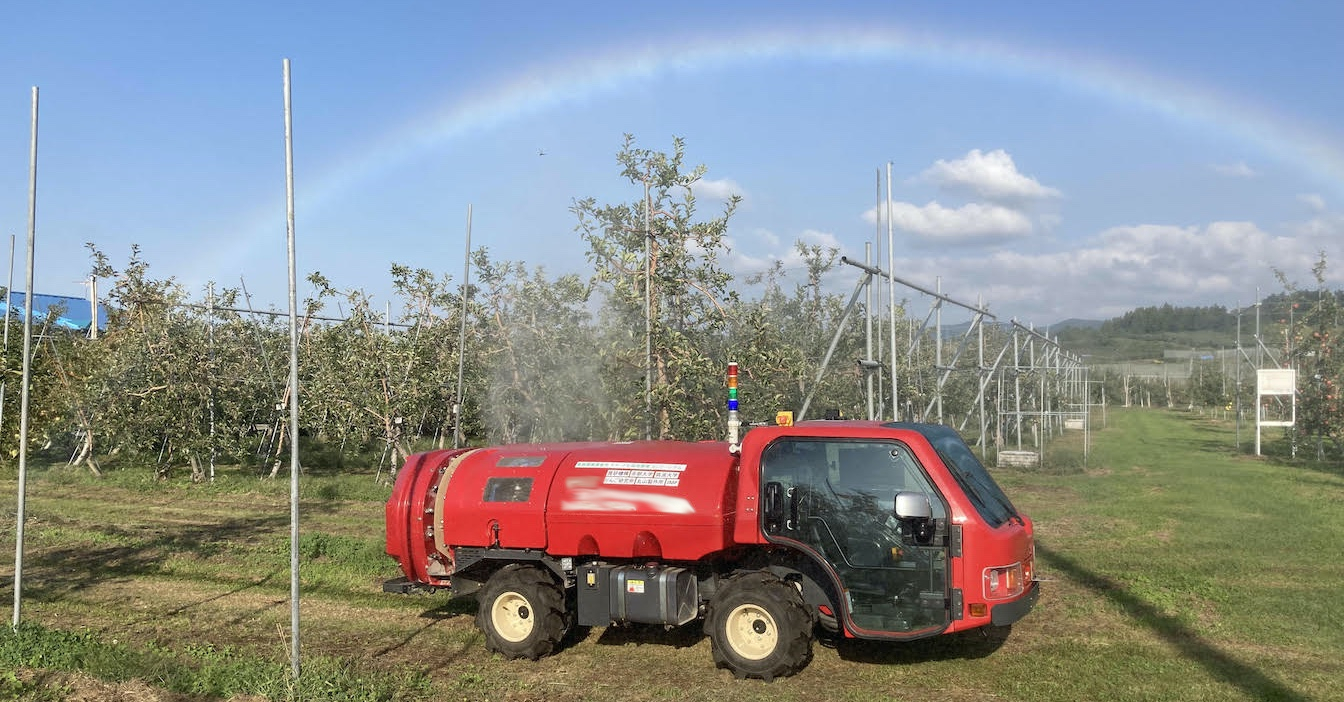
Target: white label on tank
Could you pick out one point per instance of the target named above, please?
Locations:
(634, 473)
(635, 587)
(631, 465)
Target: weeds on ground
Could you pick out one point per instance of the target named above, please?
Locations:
(204, 670)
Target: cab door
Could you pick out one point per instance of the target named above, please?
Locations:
(836, 499)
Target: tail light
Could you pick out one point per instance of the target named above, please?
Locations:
(1004, 582)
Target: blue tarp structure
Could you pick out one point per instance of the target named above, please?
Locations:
(73, 312)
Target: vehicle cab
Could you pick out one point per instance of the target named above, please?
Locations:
(908, 534)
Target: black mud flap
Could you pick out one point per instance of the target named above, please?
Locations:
(404, 586)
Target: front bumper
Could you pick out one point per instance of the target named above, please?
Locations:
(1009, 612)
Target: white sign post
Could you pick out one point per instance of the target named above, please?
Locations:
(1273, 383)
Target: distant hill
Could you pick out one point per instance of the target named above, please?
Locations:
(955, 330)
(1077, 324)
(1148, 333)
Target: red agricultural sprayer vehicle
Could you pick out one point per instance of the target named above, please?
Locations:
(890, 531)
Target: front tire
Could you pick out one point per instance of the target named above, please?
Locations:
(521, 612)
(759, 627)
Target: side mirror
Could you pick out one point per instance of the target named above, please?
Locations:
(913, 505)
(916, 516)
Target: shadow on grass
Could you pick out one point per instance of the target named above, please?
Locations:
(975, 643)
(971, 644)
(182, 609)
(57, 572)
(684, 636)
(455, 607)
(1330, 465)
(1220, 665)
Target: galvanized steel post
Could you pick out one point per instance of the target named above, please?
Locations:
(293, 385)
(20, 513)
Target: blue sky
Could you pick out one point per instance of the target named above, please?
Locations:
(1054, 160)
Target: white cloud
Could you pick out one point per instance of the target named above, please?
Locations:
(1106, 275)
(1312, 200)
(716, 189)
(1127, 267)
(766, 236)
(1234, 170)
(973, 222)
(1322, 233)
(825, 240)
(992, 176)
(757, 237)
(742, 263)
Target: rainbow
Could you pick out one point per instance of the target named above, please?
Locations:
(582, 77)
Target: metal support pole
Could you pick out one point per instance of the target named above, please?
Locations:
(20, 515)
(868, 331)
(210, 302)
(1259, 351)
(93, 307)
(648, 314)
(9, 314)
(835, 340)
(938, 345)
(891, 304)
(877, 298)
(980, 398)
(293, 385)
(1017, 388)
(1238, 388)
(1040, 397)
(462, 338)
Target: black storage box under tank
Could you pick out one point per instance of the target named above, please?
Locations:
(643, 594)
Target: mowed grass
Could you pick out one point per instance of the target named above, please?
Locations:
(1175, 569)
(1185, 571)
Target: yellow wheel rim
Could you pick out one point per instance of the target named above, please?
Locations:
(512, 617)
(751, 631)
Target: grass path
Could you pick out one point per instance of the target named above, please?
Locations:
(1187, 571)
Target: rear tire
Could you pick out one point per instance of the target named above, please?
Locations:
(522, 612)
(759, 627)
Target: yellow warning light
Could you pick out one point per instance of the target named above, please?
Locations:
(784, 419)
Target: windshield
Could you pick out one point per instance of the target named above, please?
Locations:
(988, 498)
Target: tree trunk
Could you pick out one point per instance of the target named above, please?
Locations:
(281, 429)
(85, 455)
(403, 448)
(664, 414)
(280, 433)
(164, 469)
